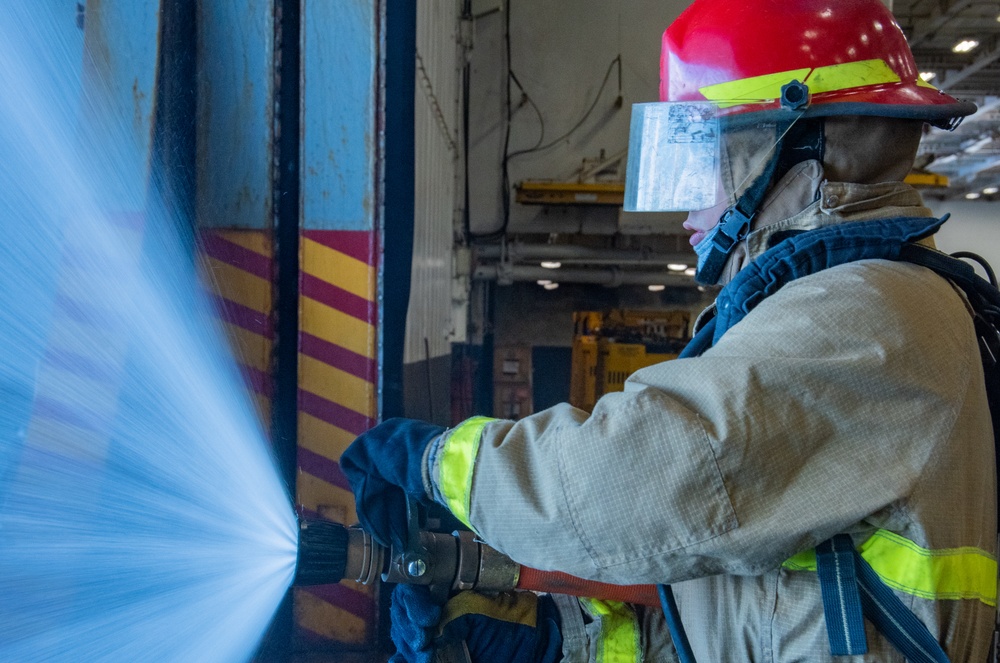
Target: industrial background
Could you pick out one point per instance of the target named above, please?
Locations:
(414, 209)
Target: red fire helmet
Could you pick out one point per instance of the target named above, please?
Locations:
(851, 54)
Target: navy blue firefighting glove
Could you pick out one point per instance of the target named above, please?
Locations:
(514, 627)
(384, 466)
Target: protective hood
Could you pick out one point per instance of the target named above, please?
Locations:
(858, 169)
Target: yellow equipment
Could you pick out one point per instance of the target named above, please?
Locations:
(608, 347)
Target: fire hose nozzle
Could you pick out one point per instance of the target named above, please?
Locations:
(330, 552)
(446, 563)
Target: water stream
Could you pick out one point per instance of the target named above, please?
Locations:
(141, 515)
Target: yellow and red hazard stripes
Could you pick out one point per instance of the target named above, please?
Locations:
(338, 381)
(238, 269)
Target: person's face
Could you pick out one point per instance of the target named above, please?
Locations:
(702, 221)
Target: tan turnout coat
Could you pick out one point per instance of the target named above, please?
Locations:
(850, 401)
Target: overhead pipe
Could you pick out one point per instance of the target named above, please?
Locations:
(575, 253)
(506, 274)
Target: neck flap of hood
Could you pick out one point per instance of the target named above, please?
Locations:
(859, 178)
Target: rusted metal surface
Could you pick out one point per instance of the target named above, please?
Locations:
(235, 128)
(340, 53)
(121, 57)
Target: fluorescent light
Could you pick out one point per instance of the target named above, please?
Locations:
(965, 46)
(973, 195)
(657, 288)
(926, 76)
(690, 271)
(677, 267)
(543, 283)
(550, 286)
(551, 264)
(990, 190)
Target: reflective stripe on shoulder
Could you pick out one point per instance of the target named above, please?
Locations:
(619, 638)
(455, 463)
(831, 78)
(947, 574)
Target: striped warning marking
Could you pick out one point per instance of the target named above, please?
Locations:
(338, 378)
(237, 267)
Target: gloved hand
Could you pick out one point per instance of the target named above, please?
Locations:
(512, 627)
(383, 466)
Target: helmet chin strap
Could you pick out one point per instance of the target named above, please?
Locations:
(733, 227)
(735, 222)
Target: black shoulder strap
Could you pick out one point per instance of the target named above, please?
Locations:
(984, 299)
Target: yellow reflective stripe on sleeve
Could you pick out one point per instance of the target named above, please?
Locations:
(947, 574)
(821, 79)
(619, 637)
(455, 462)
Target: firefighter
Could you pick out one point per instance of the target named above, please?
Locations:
(822, 450)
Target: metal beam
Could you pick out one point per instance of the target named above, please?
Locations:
(968, 172)
(570, 253)
(983, 61)
(942, 13)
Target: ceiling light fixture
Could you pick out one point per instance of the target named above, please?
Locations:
(690, 271)
(544, 283)
(657, 288)
(926, 76)
(973, 195)
(965, 46)
(551, 264)
(677, 267)
(550, 286)
(990, 190)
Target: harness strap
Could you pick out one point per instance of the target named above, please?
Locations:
(735, 223)
(838, 584)
(851, 587)
(894, 620)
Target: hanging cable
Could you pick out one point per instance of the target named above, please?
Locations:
(540, 145)
(607, 75)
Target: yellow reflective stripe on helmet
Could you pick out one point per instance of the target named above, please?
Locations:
(850, 75)
(755, 88)
(455, 461)
(821, 79)
(949, 574)
(619, 638)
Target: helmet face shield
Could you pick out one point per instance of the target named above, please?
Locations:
(690, 156)
(674, 157)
